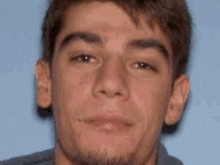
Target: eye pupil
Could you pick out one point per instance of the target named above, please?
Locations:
(143, 65)
(84, 58)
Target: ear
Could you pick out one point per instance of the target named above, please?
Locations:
(42, 84)
(178, 99)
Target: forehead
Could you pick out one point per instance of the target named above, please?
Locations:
(110, 21)
(98, 12)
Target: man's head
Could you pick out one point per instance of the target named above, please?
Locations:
(114, 72)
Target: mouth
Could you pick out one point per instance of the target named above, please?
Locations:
(120, 120)
(108, 124)
(108, 121)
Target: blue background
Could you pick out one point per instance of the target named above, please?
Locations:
(22, 132)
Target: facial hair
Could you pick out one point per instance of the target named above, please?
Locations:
(91, 159)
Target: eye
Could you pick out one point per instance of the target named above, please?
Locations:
(144, 66)
(84, 58)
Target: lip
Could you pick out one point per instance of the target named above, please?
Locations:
(109, 119)
(113, 125)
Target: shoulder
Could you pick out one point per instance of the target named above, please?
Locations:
(174, 161)
(165, 159)
(40, 158)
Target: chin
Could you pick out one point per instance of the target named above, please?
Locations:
(103, 156)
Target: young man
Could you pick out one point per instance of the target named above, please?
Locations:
(114, 72)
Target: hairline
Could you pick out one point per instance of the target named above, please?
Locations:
(150, 20)
(135, 19)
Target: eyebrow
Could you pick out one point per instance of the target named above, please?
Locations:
(93, 38)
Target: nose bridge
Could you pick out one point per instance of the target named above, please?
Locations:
(111, 79)
(112, 67)
(113, 64)
(112, 72)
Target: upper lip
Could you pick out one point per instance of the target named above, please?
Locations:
(111, 118)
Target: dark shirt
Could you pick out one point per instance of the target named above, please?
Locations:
(47, 158)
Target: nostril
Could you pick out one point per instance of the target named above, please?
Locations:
(118, 93)
(103, 92)
(127, 124)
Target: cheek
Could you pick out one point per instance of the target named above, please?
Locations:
(75, 89)
(68, 89)
(145, 94)
(151, 99)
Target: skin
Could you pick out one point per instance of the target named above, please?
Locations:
(111, 83)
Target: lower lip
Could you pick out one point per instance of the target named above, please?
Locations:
(106, 126)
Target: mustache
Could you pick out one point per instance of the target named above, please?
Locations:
(107, 112)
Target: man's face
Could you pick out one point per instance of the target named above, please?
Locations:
(110, 95)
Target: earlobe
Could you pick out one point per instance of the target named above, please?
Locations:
(178, 100)
(42, 84)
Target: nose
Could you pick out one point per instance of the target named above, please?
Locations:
(111, 81)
